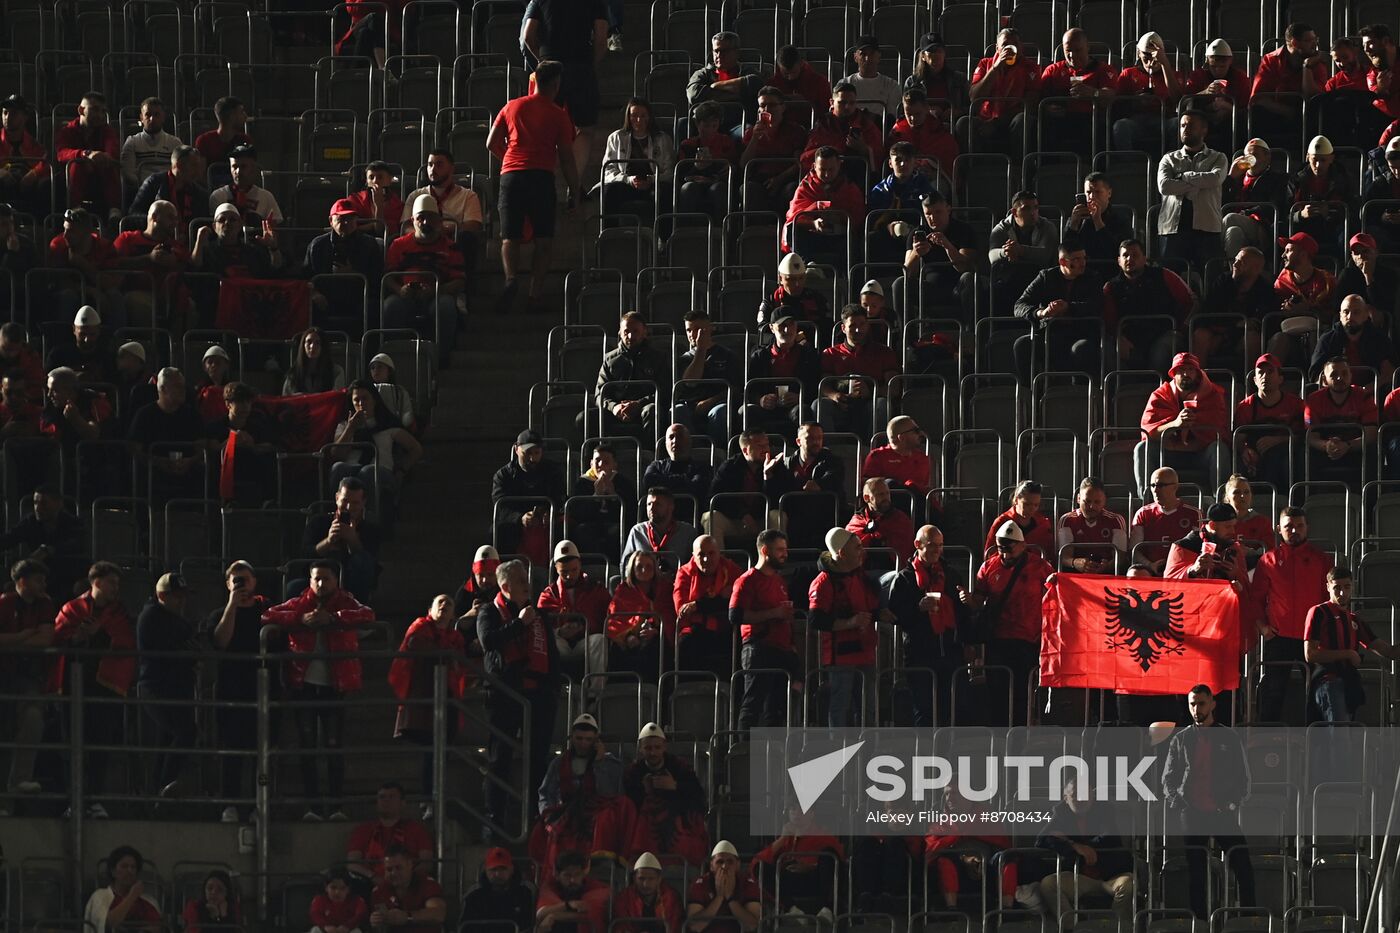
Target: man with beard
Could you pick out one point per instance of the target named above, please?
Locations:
(1065, 306)
(157, 252)
(1244, 290)
(570, 901)
(702, 592)
(1093, 863)
(1102, 536)
(816, 470)
(52, 536)
(1190, 181)
(1379, 47)
(344, 249)
(1144, 290)
(1096, 222)
(647, 898)
(581, 803)
(826, 208)
(857, 404)
(762, 610)
(1211, 552)
(460, 206)
(902, 461)
(499, 895)
(707, 406)
(523, 527)
(431, 275)
(661, 534)
(1184, 425)
(25, 180)
(678, 471)
(226, 251)
(878, 523)
(757, 472)
(1365, 276)
(1356, 337)
(794, 297)
(1299, 66)
(844, 604)
(89, 354)
(1339, 453)
(1288, 581)
(789, 369)
(1264, 455)
(669, 800)
(932, 621)
(725, 899)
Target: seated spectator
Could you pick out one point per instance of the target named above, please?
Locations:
(1321, 197)
(1148, 124)
(945, 88)
(1378, 45)
(815, 469)
(638, 163)
(569, 900)
(19, 416)
(647, 898)
(460, 207)
(773, 140)
(1079, 75)
(850, 130)
(806, 89)
(433, 277)
(80, 248)
(641, 619)
(1185, 425)
(725, 899)
(322, 618)
(162, 628)
(1004, 86)
(148, 152)
(1266, 456)
(702, 594)
(256, 205)
(217, 905)
(897, 194)
(879, 523)
(1244, 290)
(678, 470)
(338, 909)
(582, 806)
(89, 354)
(1334, 647)
(844, 607)
(26, 625)
(345, 249)
(1219, 87)
(1101, 534)
(1210, 551)
(1164, 519)
(705, 165)
(706, 406)
(1357, 338)
(1066, 307)
(157, 252)
(856, 404)
(165, 439)
(314, 369)
(1304, 289)
(1091, 863)
(1339, 454)
(1252, 178)
(726, 81)
(757, 472)
(1145, 290)
(1298, 67)
(872, 87)
(227, 250)
(52, 536)
(17, 254)
(1101, 227)
(1256, 531)
(808, 859)
(123, 904)
(1366, 276)
(25, 170)
(245, 441)
(1022, 243)
(18, 357)
(231, 133)
(1385, 186)
(902, 460)
(661, 534)
(407, 897)
(87, 151)
(1037, 529)
(500, 895)
(378, 206)
(941, 258)
(397, 399)
(1350, 73)
(633, 382)
(780, 405)
(96, 620)
(347, 536)
(881, 315)
(576, 606)
(827, 209)
(793, 296)
(668, 799)
(599, 524)
(395, 452)
(372, 840)
(519, 528)
(209, 388)
(72, 414)
(236, 628)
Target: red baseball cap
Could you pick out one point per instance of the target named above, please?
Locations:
(342, 207)
(498, 858)
(1268, 359)
(1300, 239)
(1181, 360)
(1362, 239)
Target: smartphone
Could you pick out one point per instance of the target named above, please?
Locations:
(1191, 404)
(1080, 199)
(765, 119)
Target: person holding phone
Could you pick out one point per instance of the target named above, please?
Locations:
(234, 630)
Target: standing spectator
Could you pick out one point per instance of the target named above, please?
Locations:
(923, 597)
(52, 536)
(770, 144)
(844, 603)
(573, 33)
(231, 132)
(1321, 196)
(1255, 531)
(1163, 520)
(857, 404)
(322, 619)
(725, 899)
(314, 369)
(945, 88)
(1037, 529)
(518, 527)
(726, 81)
(581, 804)
(1102, 535)
(708, 161)
(1333, 639)
(870, 85)
(1298, 67)
(760, 474)
(702, 593)
(1204, 780)
(148, 152)
(669, 801)
(849, 129)
(662, 533)
(1101, 227)
(1339, 453)
(707, 405)
(1007, 595)
(436, 641)
(501, 895)
(647, 898)
(407, 899)
(1266, 456)
(347, 536)
(641, 619)
(162, 628)
(1288, 581)
(1082, 76)
(1144, 290)
(1252, 178)
(256, 204)
(22, 181)
(1185, 425)
(634, 382)
(87, 150)
(1356, 337)
(217, 905)
(522, 652)
(1152, 79)
(532, 136)
(478, 589)
(577, 607)
(378, 205)
(902, 461)
(678, 470)
(762, 610)
(428, 275)
(1189, 180)
(1064, 305)
(26, 625)
(1004, 85)
(338, 909)
(879, 523)
(123, 904)
(97, 622)
(371, 841)
(236, 629)
(638, 163)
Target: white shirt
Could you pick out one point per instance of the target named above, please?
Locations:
(101, 903)
(882, 89)
(258, 200)
(460, 206)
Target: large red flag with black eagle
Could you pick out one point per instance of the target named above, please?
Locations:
(1141, 635)
(264, 309)
(305, 423)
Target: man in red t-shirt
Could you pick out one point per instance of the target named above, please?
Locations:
(430, 251)
(762, 609)
(1003, 86)
(371, 842)
(81, 248)
(1296, 70)
(902, 460)
(1185, 425)
(1264, 454)
(1339, 453)
(231, 132)
(154, 251)
(89, 152)
(406, 900)
(532, 136)
(1037, 528)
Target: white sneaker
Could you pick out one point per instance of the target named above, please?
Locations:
(337, 816)
(230, 815)
(27, 787)
(795, 911)
(426, 813)
(97, 812)
(311, 816)
(826, 914)
(615, 42)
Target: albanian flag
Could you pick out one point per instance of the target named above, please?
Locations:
(305, 424)
(264, 309)
(1145, 636)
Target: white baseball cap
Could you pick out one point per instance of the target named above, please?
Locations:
(1150, 40)
(837, 539)
(425, 204)
(651, 731)
(1010, 531)
(87, 316)
(872, 287)
(486, 552)
(134, 348)
(1220, 49)
(565, 550)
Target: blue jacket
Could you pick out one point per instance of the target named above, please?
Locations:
(889, 193)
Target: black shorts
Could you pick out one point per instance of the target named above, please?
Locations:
(579, 93)
(528, 193)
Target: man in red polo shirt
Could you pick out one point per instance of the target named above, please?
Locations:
(532, 136)
(1086, 79)
(1298, 67)
(762, 609)
(1338, 454)
(1003, 86)
(902, 459)
(371, 842)
(407, 901)
(855, 404)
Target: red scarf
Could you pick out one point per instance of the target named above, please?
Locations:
(533, 649)
(658, 546)
(931, 582)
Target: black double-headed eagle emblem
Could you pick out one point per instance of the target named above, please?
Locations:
(1147, 626)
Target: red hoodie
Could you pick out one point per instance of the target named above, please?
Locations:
(341, 637)
(812, 195)
(1212, 420)
(116, 673)
(809, 85)
(425, 636)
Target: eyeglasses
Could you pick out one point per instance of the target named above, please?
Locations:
(1161, 485)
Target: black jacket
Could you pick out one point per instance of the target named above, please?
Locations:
(159, 630)
(807, 376)
(688, 797)
(903, 593)
(732, 477)
(689, 477)
(1229, 769)
(1373, 349)
(496, 632)
(362, 252)
(644, 363)
(828, 471)
(546, 480)
(1065, 822)
(1223, 296)
(514, 906)
(1271, 188)
(1380, 294)
(1103, 244)
(1084, 294)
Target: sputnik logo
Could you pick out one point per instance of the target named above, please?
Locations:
(811, 778)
